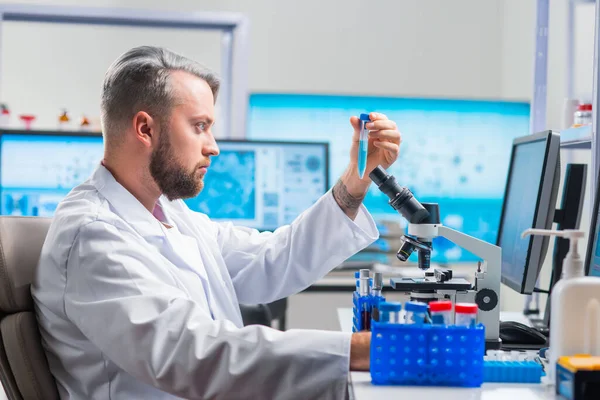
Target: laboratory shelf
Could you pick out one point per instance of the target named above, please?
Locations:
(576, 138)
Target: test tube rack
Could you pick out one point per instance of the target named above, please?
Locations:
(427, 355)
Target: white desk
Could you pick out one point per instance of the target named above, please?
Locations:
(362, 389)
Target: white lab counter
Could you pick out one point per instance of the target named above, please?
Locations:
(362, 389)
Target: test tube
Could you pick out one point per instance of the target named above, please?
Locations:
(364, 292)
(390, 312)
(466, 314)
(357, 277)
(363, 145)
(376, 295)
(441, 312)
(415, 312)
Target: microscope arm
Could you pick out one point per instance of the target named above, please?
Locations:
(480, 248)
(487, 282)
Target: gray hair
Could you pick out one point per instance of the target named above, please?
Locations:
(139, 81)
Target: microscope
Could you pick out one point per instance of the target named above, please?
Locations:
(424, 225)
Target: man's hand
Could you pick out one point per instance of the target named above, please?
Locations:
(384, 148)
(360, 347)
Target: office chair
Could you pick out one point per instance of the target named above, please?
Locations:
(24, 370)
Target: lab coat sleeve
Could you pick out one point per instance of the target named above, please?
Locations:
(154, 332)
(266, 266)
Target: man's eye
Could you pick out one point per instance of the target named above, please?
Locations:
(201, 126)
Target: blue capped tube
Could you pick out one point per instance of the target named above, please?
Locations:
(390, 312)
(416, 312)
(363, 145)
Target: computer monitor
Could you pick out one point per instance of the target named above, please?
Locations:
(37, 169)
(262, 184)
(529, 202)
(592, 259)
(259, 184)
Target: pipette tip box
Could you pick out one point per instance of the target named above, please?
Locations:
(512, 371)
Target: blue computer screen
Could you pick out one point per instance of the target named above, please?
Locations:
(260, 185)
(521, 202)
(263, 185)
(36, 172)
(454, 152)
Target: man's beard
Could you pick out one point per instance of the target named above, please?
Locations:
(171, 177)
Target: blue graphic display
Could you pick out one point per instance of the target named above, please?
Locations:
(229, 187)
(454, 152)
(38, 171)
(262, 185)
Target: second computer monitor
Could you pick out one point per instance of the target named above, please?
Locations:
(529, 202)
(263, 185)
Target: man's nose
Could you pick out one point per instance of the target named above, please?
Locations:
(211, 148)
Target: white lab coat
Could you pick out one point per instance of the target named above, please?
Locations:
(129, 309)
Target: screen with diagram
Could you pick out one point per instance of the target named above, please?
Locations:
(37, 171)
(454, 152)
(521, 202)
(262, 185)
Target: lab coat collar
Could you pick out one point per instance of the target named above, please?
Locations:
(125, 204)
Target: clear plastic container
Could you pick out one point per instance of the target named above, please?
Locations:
(390, 312)
(415, 312)
(465, 314)
(441, 312)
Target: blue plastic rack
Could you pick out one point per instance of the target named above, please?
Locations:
(512, 371)
(427, 355)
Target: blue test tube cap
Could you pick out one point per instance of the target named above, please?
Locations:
(390, 306)
(357, 274)
(415, 306)
(365, 117)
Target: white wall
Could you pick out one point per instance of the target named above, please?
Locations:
(432, 48)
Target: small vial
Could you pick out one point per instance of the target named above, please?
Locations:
(364, 292)
(363, 145)
(376, 297)
(415, 312)
(390, 312)
(441, 312)
(466, 314)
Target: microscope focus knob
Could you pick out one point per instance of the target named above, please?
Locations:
(486, 299)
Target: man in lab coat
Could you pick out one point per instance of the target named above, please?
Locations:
(137, 296)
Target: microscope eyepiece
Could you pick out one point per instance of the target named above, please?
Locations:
(401, 199)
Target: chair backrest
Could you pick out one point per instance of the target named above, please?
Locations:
(24, 368)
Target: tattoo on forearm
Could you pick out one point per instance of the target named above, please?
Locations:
(345, 200)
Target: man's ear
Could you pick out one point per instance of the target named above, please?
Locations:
(145, 128)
